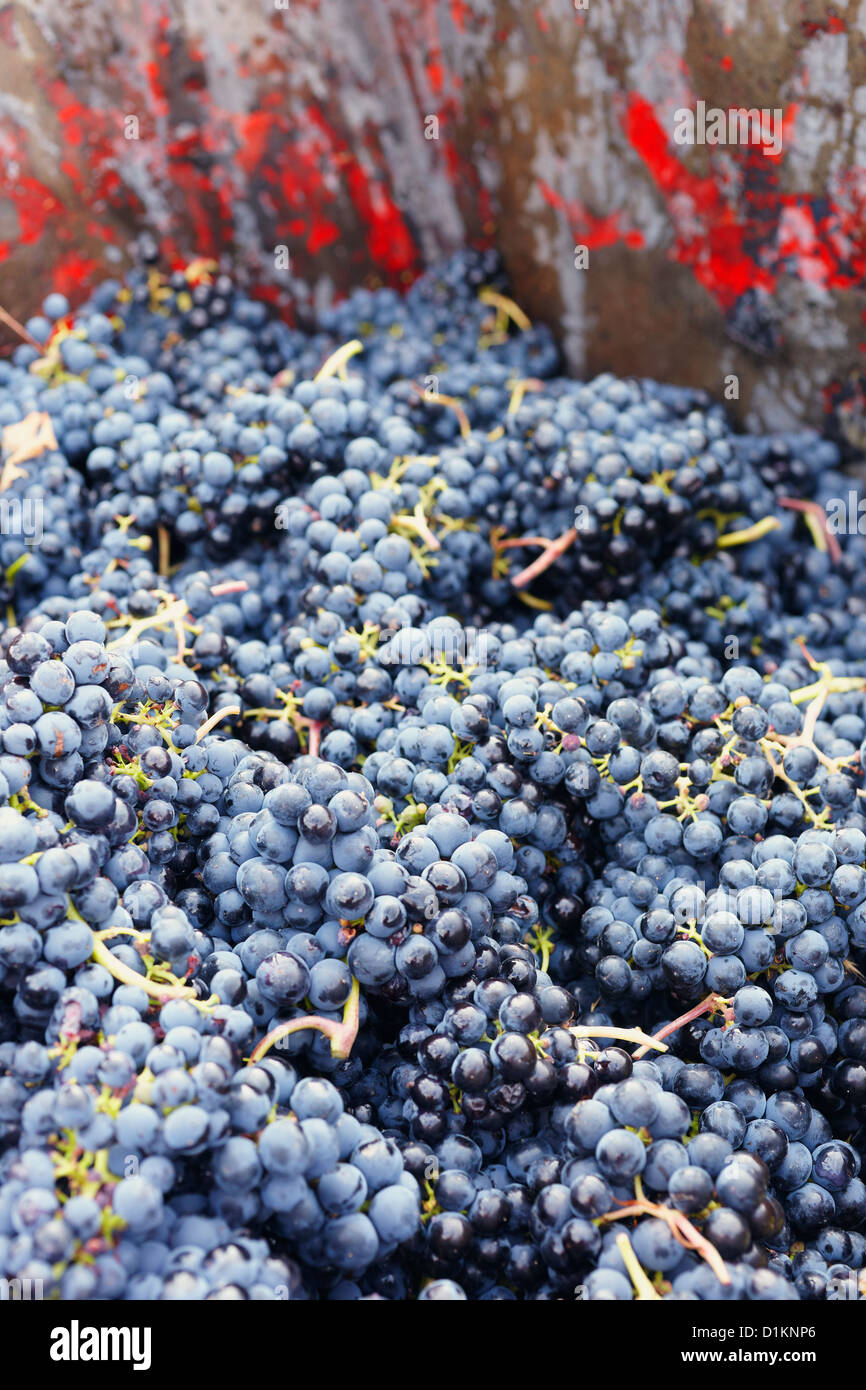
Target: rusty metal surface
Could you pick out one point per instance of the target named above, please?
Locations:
(235, 127)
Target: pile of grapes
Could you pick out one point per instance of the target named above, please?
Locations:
(432, 858)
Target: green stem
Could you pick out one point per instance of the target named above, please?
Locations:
(342, 1034)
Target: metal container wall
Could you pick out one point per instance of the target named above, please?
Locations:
(358, 140)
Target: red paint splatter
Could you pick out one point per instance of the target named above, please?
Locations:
(35, 205)
(708, 237)
(72, 172)
(830, 24)
(72, 273)
(452, 158)
(8, 30)
(291, 164)
(789, 120)
(97, 135)
(159, 98)
(68, 118)
(591, 231)
(460, 12)
(101, 232)
(820, 240)
(298, 162)
(255, 133)
(388, 240)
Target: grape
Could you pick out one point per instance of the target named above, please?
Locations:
(322, 855)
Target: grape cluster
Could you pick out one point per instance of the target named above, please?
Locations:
(431, 855)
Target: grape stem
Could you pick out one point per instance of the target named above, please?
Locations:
(229, 586)
(227, 712)
(342, 1035)
(520, 389)
(164, 550)
(637, 1274)
(127, 976)
(437, 398)
(417, 522)
(505, 306)
(687, 1234)
(633, 1035)
(751, 533)
(552, 551)
(815, 517)
(510, 541)
(336, 363)
(712, 1001)
(10, 322)
(314, 729)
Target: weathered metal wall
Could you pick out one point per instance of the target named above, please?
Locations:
(238, 126)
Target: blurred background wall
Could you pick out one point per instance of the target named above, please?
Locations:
(368, 137)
